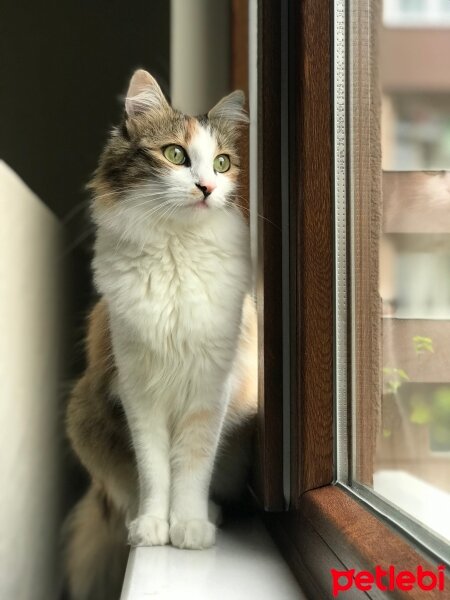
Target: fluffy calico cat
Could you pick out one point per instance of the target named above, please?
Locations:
(171, 375)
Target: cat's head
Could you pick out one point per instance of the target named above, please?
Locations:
(163, 166)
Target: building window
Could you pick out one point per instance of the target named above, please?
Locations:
(416, 13)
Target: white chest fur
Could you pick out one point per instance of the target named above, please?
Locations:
(181, 293)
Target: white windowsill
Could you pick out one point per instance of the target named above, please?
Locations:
(245, 563)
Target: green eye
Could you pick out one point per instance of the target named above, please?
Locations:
(175, 154)
(222, 163)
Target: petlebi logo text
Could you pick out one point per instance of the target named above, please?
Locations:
(389, 579)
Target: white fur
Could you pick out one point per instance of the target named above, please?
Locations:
(175, 289)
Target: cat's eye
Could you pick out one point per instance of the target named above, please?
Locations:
(175, 154)
(222, 163)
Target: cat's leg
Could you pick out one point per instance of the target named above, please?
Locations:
(97, 429)
(215, 513)
(194, 446)
(150, 436)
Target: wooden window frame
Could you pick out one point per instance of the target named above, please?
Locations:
(325, 526)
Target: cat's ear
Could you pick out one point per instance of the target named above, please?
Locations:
(144, 94)
(230, 108)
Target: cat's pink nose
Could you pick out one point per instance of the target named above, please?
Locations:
(207, 187)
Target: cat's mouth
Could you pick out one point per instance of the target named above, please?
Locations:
(201, 204)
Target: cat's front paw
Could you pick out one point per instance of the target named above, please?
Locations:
(195, 534)
(148, 531)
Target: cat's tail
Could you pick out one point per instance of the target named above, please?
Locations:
(96, 548)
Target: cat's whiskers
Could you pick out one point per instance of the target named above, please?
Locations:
(164, 208)
(146, 201)
(249, 212)
(126, 234)
(151, 187)
(74, 211)
(79, 239)
(159, 218)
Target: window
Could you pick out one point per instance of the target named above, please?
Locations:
(400, 267)
(416, 13)
(351, 175)
(397, 273)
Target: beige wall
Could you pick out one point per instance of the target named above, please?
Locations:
(415, 59)
(199, 53)
(30, 390)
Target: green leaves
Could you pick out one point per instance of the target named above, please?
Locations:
(421, 412)
(440, 424)
(394, 378)
(426, 406)
(422, 344)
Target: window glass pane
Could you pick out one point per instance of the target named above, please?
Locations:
(408, 6)
(416, 13)
(400, 196)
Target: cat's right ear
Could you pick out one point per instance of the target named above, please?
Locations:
(144, 95)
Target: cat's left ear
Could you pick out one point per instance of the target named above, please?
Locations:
(230, 108)
(144, 95)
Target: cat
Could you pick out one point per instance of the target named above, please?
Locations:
(164, 414)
